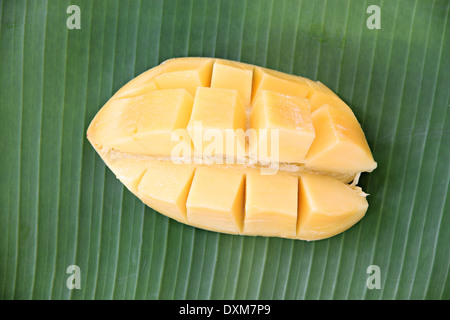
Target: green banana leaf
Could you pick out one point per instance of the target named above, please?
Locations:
(61, 206)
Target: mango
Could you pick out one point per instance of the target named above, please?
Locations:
(291, 117)
(223, 208)
(235, 148)
(214, 112)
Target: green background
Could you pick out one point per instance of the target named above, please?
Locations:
(60, 205)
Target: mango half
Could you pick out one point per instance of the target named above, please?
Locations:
(236, 148)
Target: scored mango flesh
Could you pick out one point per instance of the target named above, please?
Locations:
(236, 148)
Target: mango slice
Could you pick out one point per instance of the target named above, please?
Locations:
(214, 112)
(140, 85)
(271, 204)
(236, 148)
(165, 187)
(223, 208)
(327, 207)
(164, 112)
(235, 76)
(266, 79)
(340, 144)
(291, 117)
(321, 95)
(115, 125)
(128, 171)
(188, 74)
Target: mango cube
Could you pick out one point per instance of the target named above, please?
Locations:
(128, 171)
(216, 199)
(217, 115)
(188, 74)
(163, 112)
(165, 187)
(233, 75)
(270, 204)
(322, 95)
(340, 144)
(327, 207)
(291, 118)
(266, 79)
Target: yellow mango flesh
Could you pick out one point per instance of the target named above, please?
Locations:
(164, 112)
(215, 111)
(291, 116)
(128, 171)
(157, 131)
(222, 208)
(266, 79)
(140, 85)
(338, 137)
(327, 207)
(235, 76)
(165, 187)
(271, 204)
(115, 125)
(189, 74)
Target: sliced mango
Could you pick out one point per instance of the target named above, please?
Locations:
(271, 204)
(128, 171)
(233, 75)
(165, 187)
(266, 79)
(140, 85)
(216, 200)
(216, 111)
(340, 144)
(162, 113)
(327, 206)
(321, 95)
(115, 125)
(290, 118)
(189, 74)
(166, 134)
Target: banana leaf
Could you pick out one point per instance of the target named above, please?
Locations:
(61, 206)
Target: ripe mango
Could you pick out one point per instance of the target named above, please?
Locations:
(236, 148)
